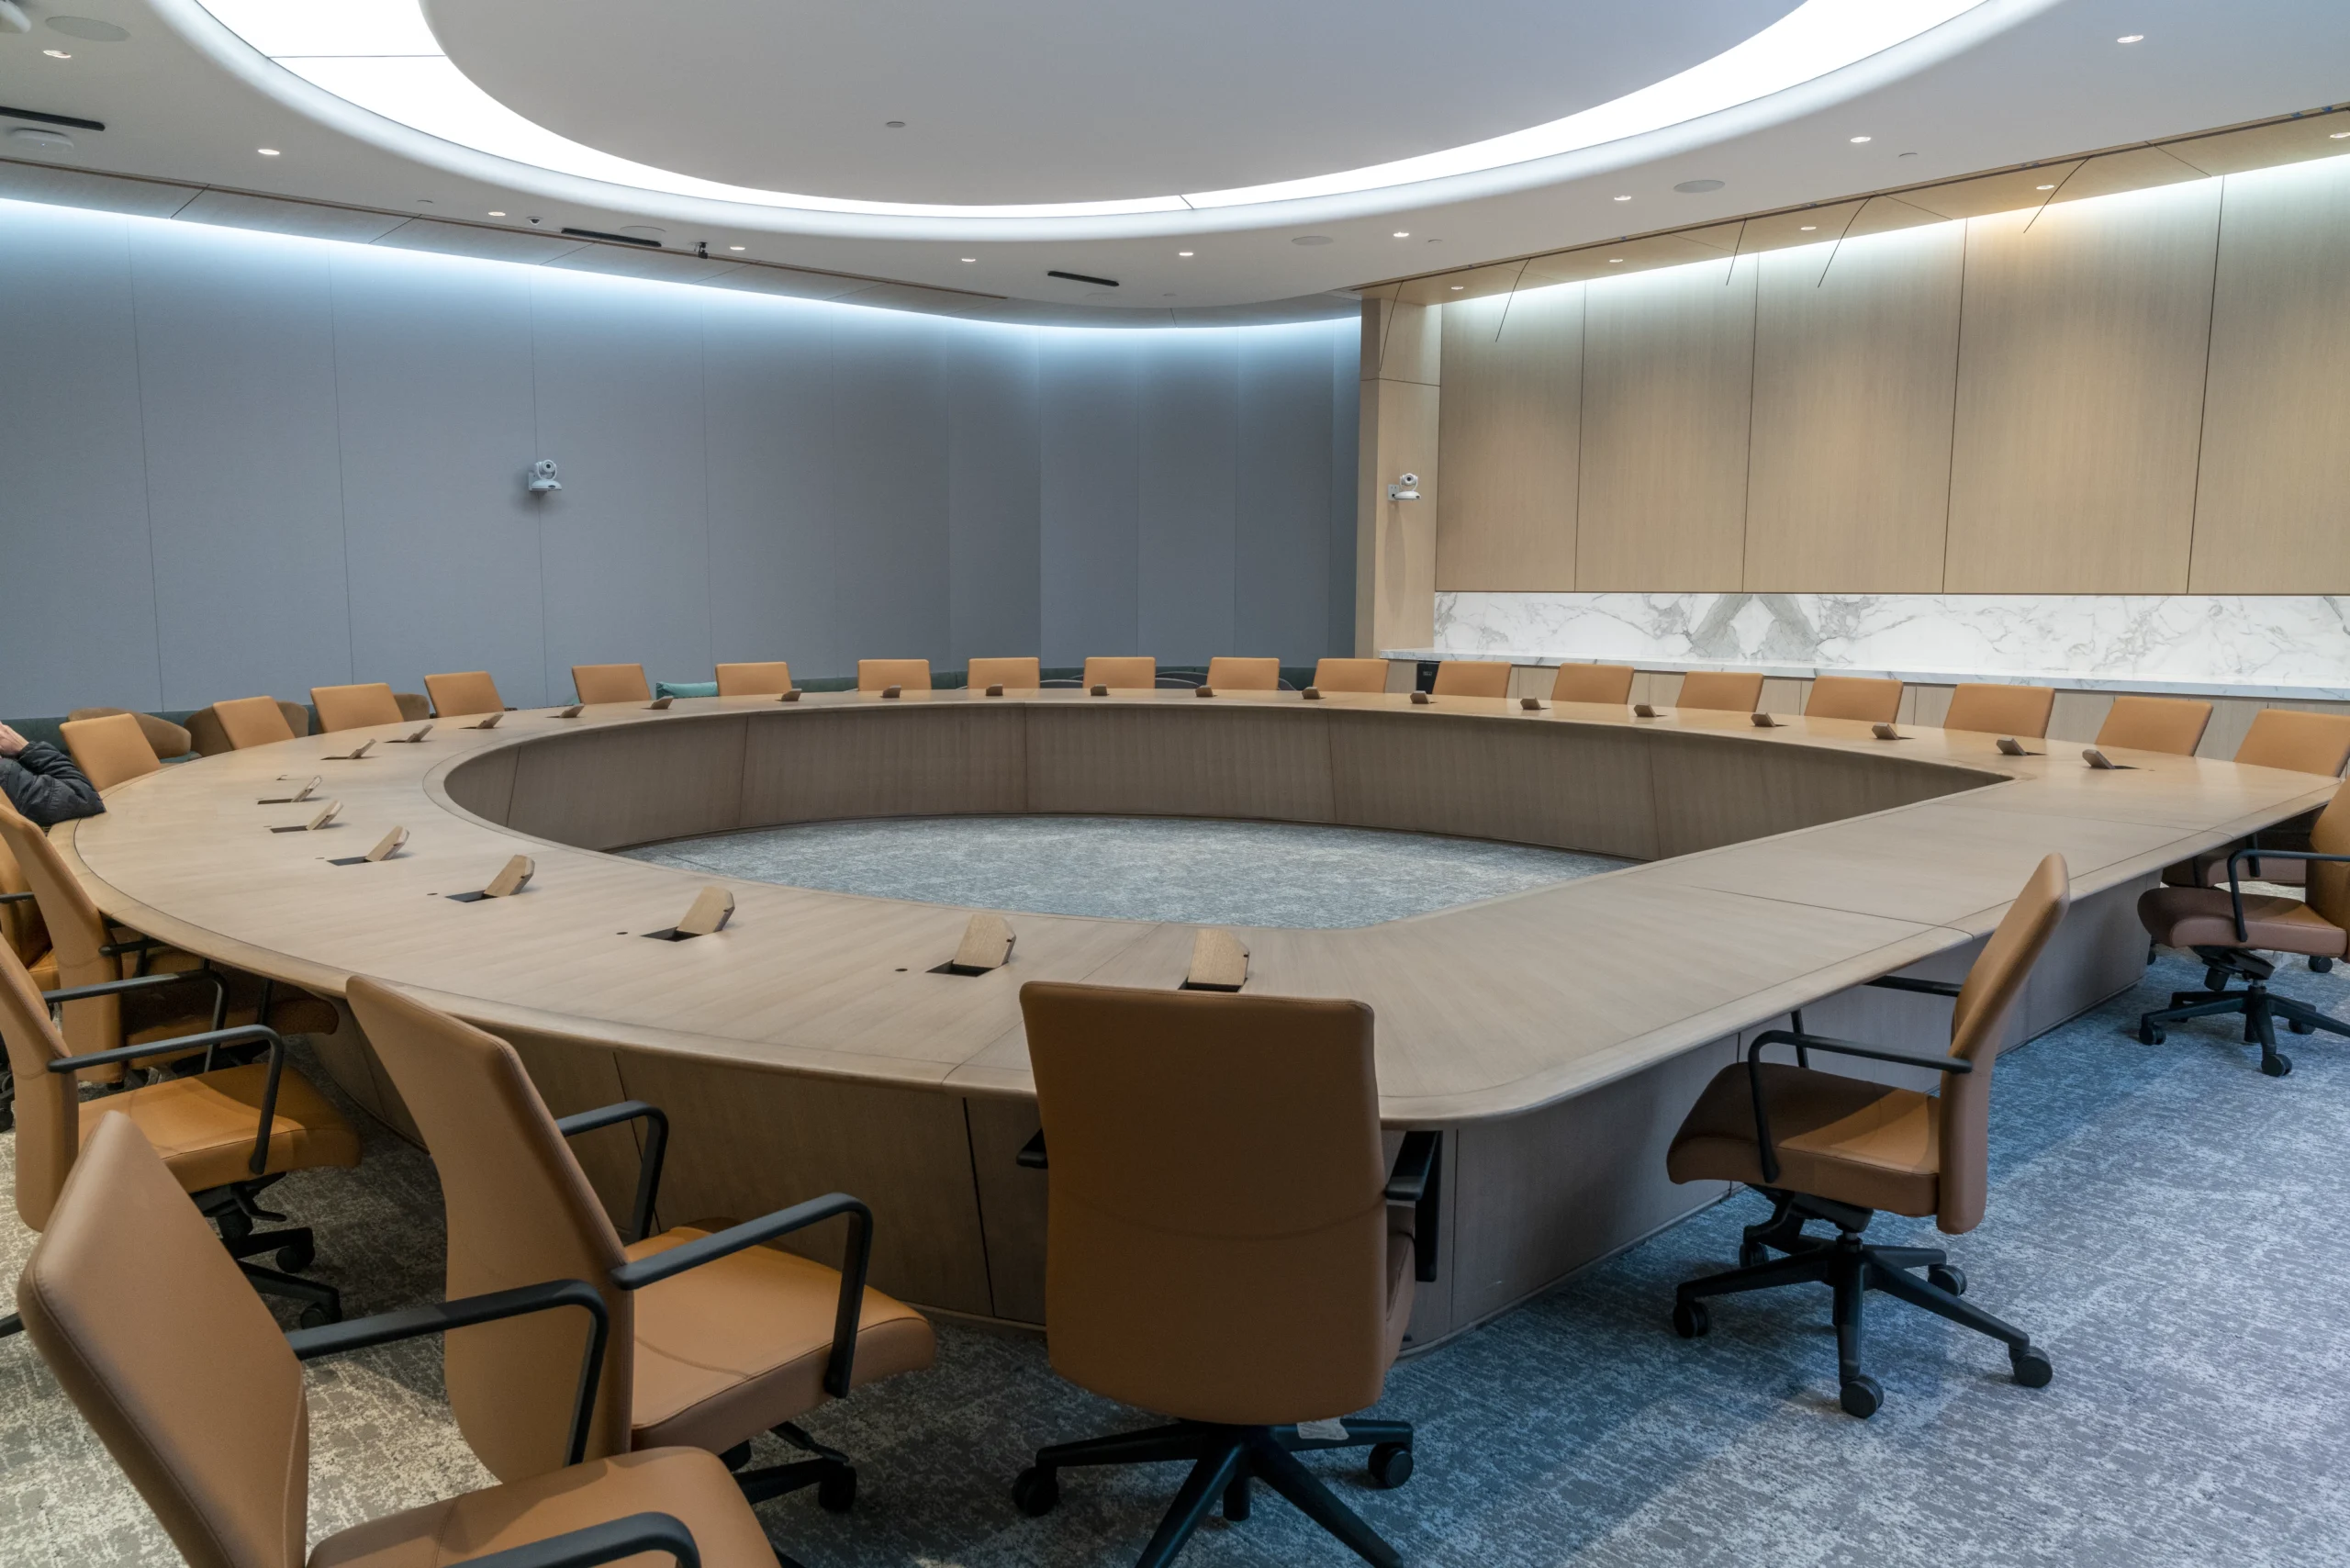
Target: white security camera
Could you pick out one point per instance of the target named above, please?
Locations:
(542, 477)
(1406, 488)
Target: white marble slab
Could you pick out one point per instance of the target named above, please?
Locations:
(2277, 647)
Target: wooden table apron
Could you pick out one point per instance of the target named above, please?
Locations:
(1556, 1035)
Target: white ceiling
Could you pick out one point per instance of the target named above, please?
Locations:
(1049, 104)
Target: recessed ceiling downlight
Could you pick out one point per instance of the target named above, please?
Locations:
(47, 140)
(1309, 238)
(1699, 187)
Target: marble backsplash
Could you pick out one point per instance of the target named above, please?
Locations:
(2277, 646)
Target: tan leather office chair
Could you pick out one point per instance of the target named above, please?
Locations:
(906, 675)
(247, 722)
(1138, 672)
(187, 1379)
(714, 1338)
(463, 694)
(2297, 742)
(1471, 678)
(1350, 674)
(1593, 683)
(165, 738)
(226, 1133)
(2174, 724)
(1227, 673)
(354, 707)
(611, 683)
(1013, 674)
(771, 678)
(110, 750)
(1729, 690)
(1822, 1145)
(2018, 711)
(1224, 1243)
(1869, 699)
(2229, 929)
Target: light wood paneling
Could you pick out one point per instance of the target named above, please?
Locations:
(1668, 377)
(2275, 487)
(1194, 761)
(646, 784)
(933, 759)
(1855, 371)
(1399, 436)
(2080, 395)
(1510, 426)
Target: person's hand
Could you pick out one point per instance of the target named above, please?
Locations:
(11, 743)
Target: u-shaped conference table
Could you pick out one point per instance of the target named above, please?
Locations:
(1556, 1035)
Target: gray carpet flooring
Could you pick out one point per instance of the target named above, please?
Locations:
(2164, 1220)
(1185, 871)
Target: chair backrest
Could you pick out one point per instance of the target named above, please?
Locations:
(110, 750)
(172, 1358)
(906, 675)
(1217, 1233)
(464, 692)
(256, 721)
(1125, 672)
(771, 678)
(164, 737)
(611, 683)
(1593, 683)
(21, 928)
(1471, 678)
(2020, 711)
(1350, 674)
(1731, 690)
(1871, 699)
(2174, 724)
(1013, 674)
(76, 933)
(520, 1211)
(354, 707)
(2328, 891)
(2291, 739)
(48, 1109)
(1978, 1021)
(1227, 673)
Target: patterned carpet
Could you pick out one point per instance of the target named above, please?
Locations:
(2161, 1219)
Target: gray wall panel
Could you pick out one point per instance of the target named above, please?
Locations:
(1188, 501)
(1091, 438)
(1286, 518)
(889, 540)
(993, 481)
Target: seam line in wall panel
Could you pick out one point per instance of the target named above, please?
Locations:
(1583, 413)
(1957, 371)
(146, 463)
(2203, 403)
(1754, 353)
(342, 478)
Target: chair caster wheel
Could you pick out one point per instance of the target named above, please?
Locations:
(1034, 1491)
(2321, 966)
(296, 1256)
(1689, 1319)
(2300, 1026)
(1751, 1253)
(2277, 1064)
(1389, 1466)
(317, 1316)
(2150, 1035)
(1947, 1277)
(1862, 1396)
(837, 1493)
(2031, 1367)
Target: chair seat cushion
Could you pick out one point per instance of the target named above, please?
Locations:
(689, 1484)
(2203, 917)
(739, 1345)
(204, 1126)
(1837, 1138)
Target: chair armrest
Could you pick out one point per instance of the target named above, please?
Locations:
(643, 1271)
(440, 1317)
(1416, 1179)
(1927, 987)
(219, 983)
(136, 944)
(2235, 888)
(17, 898)
(210, 1040)
(1032, 1153)
(1762, 1144)
(592, 1544)
(648, 1164)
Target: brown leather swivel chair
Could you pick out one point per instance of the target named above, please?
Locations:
(165, 738)
(227, 1134)
(2229, 929)
(1227, 673)
(1350, 674)
(2018, 711)
(463, 694)
(1121, 672)
(110, 750)
(199, 1398)
(906, 675)
(246, 721)
(715, 1338)
(354, 707)
(1013, 674)
(611, 683)
(1593, 683)
(1869, 699)
(1471, 678)
(1224, 1243)
(2174, 724)
(2297, 742)
(1822, 1146)
(1729, 690)
(770, 678)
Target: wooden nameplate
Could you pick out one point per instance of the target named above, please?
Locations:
(356, 753)
(385, 848)
(1530, 704)
(1643, 710)
(488, 723)
(713, 908)
(1203, 691)
(660, 704)
(985, 948)
(512, 879)
(1421, 699)
(570, 712)
(790, 696)
(891, 693)
(1218, 962)
(324, 818)
(1763, 721)
(2010, 747)
(1887, 733)
(1312, 694)
(297, 797)
(411, 740)
(2104, 764)
(996, 690)
(1099, 691)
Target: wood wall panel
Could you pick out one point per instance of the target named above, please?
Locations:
(871, 762)
(1511, 421)
(1855, 372)
(1668, 379)
(2080, 395)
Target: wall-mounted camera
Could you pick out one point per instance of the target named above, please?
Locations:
(1406, 488)
(541, 477)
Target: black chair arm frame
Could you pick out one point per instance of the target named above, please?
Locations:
(2235, 886)
(1924, 987)
(607, 1542)
(211, 1041)
(1770, 1159)
(648, 1165)
(219, 983)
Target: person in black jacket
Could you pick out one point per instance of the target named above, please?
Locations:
(43, 783)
